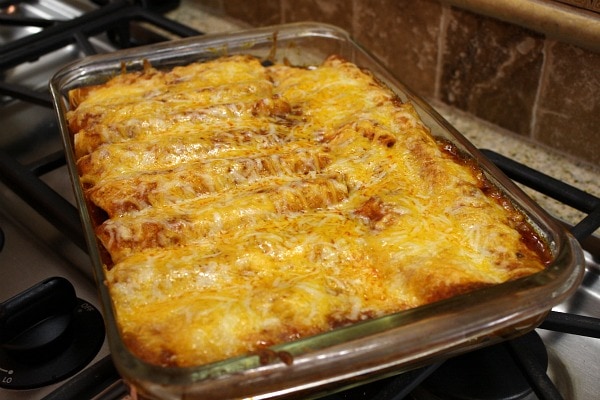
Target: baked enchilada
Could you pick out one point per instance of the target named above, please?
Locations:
(242, 205)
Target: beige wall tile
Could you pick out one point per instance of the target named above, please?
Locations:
(404, 36)
(491, 69)
(335, 12)
(568, 116)
(256, 13)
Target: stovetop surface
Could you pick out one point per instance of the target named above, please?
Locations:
(35, 249)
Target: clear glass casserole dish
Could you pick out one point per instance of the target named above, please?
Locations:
(362, 351)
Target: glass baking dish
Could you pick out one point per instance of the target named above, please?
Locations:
(362, 351)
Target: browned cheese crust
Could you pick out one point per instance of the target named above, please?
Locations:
(242, 206)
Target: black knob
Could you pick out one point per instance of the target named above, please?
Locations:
(36, 322)
(46, 335)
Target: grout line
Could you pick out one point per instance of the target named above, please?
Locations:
(439, 68)
(282, 7)
(353, 23)
(535, 109)
(555, 20)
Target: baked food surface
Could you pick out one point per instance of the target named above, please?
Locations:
(243, 205)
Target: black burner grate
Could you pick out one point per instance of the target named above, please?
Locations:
(113, 18)
(556, 189)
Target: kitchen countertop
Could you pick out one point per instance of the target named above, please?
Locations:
(482, 134)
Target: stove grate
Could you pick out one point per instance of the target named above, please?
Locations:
(531, 368)
(25, 94)
(554, 188)
(41, 197)
(572, 323)
(113, 17)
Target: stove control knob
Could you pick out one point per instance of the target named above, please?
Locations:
(36, 322)
(47, 334)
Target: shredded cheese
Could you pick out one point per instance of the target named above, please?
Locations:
(248, 206)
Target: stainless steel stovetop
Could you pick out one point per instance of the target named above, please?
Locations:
(35, 249)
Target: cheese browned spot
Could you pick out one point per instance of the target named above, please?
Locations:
(246, 206)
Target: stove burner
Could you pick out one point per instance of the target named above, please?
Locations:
(46, 335)
(487, 374)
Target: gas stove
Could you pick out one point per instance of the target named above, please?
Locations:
(46, 271)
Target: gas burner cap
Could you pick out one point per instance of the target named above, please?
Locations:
(46, 335)
(486, 374)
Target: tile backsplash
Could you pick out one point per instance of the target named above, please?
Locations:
(513, 77)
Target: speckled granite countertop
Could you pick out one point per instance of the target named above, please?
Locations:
(483, 135)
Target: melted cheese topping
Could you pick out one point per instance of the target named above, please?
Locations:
(248, 206)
